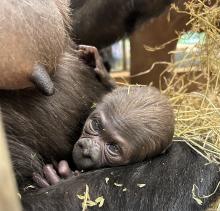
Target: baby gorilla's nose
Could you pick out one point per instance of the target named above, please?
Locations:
(80, 144)
(86, 153)
(85, 145)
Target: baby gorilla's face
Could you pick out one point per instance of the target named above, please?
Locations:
(101, 145)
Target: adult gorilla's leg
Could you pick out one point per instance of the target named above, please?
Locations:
(168, 180)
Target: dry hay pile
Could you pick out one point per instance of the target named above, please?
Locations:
(195, 92)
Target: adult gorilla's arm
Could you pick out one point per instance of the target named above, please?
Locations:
(100, 23)
(169, 180)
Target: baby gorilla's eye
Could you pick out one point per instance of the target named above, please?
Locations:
(96, 125)
(114, 148)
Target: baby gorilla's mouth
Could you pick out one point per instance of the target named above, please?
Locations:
(86, 153)
(82, 158)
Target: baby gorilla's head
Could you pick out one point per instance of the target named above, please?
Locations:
(127, 126)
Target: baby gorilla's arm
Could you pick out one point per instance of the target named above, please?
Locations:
(92, 58)
(53, 176)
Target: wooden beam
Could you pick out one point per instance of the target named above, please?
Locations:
(9, 198)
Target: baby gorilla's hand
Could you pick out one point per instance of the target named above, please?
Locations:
(92, 58)
(53, 176)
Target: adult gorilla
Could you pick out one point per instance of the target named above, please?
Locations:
(100, 23)
(41, 129)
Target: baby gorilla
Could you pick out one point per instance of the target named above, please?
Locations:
(129, 125)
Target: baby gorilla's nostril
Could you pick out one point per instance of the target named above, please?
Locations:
(80, 145)
(84, 147)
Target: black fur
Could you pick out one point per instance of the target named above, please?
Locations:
(42, 128)
(100, 23)
(169, 180)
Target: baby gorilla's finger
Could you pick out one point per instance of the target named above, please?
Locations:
(40, 181)
(64, 169)
(51, 174)
(86, 53)
(92, 58)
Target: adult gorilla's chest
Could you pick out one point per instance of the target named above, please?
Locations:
(51, 125)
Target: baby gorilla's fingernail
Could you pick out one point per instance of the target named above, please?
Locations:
(64, 169)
